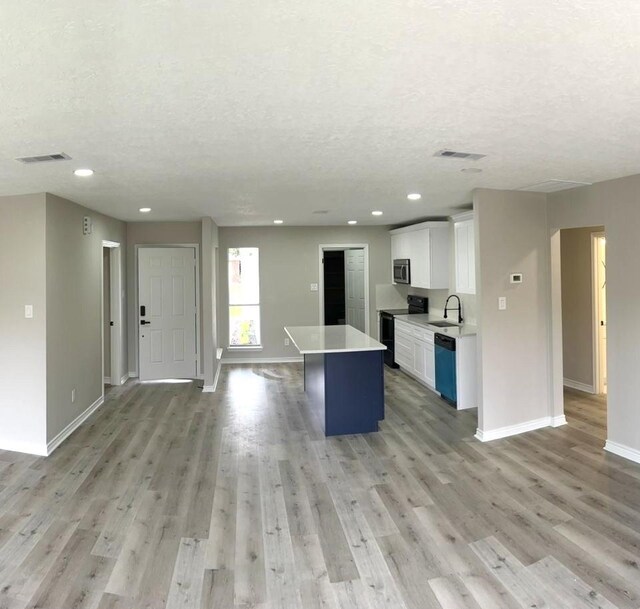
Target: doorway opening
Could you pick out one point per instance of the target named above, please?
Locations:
(344, 286)
(112, 295)
(167, 314)
(583, 297)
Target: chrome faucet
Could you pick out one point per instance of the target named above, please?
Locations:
(459, 307)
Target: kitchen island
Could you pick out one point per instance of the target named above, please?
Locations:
(343, 377)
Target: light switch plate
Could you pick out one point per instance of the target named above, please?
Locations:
(314, 287)
(28, 311)
(502, 303)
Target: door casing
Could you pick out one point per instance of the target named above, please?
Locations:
(195, 246)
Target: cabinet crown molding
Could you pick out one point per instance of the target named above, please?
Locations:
(462, 217)
(420, 226)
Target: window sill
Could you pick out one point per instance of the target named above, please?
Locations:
(244, 348)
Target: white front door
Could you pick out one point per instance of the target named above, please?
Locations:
(167, 312)
(354, 288)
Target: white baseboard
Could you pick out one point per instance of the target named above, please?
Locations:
(558, 421)
(219, 352)
(512, 430)
(30, 448)
(212, 388)
(106, 380)
(133, 375)
(125, 378)
(261, 360)
(623, 451)
(69, 429)
(579, 386)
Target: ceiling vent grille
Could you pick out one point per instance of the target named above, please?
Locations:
(452, 154)
(44, 158)
(554, 186)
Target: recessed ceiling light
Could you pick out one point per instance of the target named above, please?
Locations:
(471, 170)
(352, 222)
(376, 213)
(278, 221)
(414, 196)
(83, 173)
(144, 210)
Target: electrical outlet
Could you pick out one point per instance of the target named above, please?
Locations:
(502, 303)
(28, 311)
(286, 342)
(314, 287)
(73, 396)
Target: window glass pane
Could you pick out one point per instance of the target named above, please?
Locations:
(244, 326)
(244, 276)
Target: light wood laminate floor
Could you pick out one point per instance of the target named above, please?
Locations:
(172, 498)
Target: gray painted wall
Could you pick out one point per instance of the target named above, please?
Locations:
(23, 388)
(577, 309)
(74, 308)
(288, 264)
(154, 233)
(615, 204)
(514, 364)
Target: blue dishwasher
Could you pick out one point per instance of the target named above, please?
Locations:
(445, 354)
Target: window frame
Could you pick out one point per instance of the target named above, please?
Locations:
(231, 347)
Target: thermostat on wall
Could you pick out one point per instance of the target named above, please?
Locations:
(516, 277)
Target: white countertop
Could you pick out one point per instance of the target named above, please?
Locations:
(331, 339)
(425, 321)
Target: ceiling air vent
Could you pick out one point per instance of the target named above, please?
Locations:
(452, 154)
(44, 158)
(321, 212)
(554, 186)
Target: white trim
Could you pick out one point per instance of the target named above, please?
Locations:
(212, 388)
(69, 429)
(261, 360)
(341, 247)
(512, 430)
(579, 386)
(196, 247)
(106, 380)
(241, 348)
(598, 386)
(622, 451)
(132, 374)
(558, 421)
(125, 378)
(29, 448)
(463, 216)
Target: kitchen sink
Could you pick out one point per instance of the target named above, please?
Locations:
(442, 324)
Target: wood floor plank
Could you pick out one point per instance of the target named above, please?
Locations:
(167, 497)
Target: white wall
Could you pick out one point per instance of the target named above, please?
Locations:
(209, 302)
(288, 265)
(74, 308)
(23, 388)
(514, 345)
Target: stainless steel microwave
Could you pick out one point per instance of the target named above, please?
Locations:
(402, 270)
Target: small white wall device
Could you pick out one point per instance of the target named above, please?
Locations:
(86, 225)
(516, 277)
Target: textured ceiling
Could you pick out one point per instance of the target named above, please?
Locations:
(260, 109)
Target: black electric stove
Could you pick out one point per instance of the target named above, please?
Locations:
(416, 304)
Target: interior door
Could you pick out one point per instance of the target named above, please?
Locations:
(354, 288)
(167, 312)
(601, 300)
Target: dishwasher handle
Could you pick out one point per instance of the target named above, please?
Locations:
(444, 341)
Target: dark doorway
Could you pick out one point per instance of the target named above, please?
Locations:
(334, 288)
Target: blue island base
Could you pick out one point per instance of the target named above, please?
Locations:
(346, 389)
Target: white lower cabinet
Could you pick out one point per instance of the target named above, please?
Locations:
(414, 351)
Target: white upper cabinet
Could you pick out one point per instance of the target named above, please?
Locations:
(465, 254)
(426, 245)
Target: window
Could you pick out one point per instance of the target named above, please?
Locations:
(244, 297)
